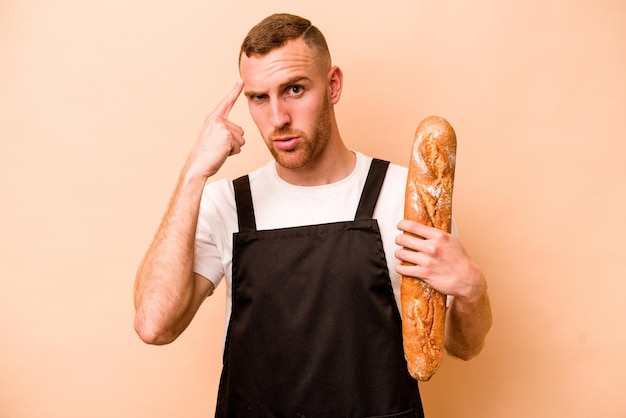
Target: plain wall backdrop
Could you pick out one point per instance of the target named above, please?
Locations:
(100, 101)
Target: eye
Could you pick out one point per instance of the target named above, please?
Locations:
(258, 98)
(294, 90)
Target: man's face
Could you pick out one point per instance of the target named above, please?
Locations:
(287, 92)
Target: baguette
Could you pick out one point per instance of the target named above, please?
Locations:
(428, 200)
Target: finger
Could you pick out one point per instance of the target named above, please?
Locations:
(236, 145)
(410, 270)
(417, 228)
(407, 256)
(413, 270)
(224, 108)
(235, 149)
(234, 128)
(416, 244)
(410, 241)
(237, 140)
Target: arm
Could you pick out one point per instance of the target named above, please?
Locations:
(467, 323)
(440, 260)
(167, 291)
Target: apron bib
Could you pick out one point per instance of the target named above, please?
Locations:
(314, 330)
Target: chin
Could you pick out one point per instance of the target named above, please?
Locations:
(291, 162)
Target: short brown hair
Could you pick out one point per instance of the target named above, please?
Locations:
(274, 31)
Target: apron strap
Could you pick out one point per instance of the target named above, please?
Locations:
(243, 200)
(365, 210)
(371, 190)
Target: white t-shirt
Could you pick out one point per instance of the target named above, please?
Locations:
(278, 204)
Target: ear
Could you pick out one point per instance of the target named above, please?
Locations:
(335, 84)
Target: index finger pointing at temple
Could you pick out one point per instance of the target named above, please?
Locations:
(223, 109)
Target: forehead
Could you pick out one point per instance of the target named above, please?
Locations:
(294, 59)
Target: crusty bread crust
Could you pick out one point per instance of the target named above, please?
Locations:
(428, 201)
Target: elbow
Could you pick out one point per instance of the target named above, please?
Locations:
(466, 347)
(466, 353)
(151, 334)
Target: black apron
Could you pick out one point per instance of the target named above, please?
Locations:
(314, 330)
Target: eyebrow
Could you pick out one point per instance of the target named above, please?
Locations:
(282, 86)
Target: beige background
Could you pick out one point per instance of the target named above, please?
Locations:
(101, 100)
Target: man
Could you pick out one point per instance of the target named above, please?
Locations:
(312, 288)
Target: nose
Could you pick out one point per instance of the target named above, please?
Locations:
(279, 114)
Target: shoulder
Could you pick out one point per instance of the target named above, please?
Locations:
(218, 191)
(391, 199)
(222, 190)
(395, 180)
(394, 184)
(397, 174)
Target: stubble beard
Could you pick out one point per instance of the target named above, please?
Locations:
(310, 149)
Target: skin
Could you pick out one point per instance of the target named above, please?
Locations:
(290, 93)
(167, 291)
(440, 260)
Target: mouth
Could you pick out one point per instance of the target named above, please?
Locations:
(286, 143)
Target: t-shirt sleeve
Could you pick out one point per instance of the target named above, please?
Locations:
(209, 246)
(453, 230)
(207, 260)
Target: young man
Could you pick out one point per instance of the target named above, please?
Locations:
(309, 247)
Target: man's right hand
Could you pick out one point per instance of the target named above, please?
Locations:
(218, 139)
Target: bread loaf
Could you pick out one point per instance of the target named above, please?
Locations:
(428, 201)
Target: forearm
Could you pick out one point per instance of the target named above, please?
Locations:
(167, 292)
(165, 285)
(468, 321)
